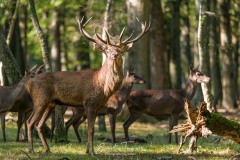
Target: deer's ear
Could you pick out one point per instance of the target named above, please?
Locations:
(128, 46)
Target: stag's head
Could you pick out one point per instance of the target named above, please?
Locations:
(133, 78)
(106, 46)
(197, 76)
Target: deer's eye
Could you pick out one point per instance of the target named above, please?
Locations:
(198, 74)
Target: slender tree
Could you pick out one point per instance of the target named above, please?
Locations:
(60, 134)
(226, 50)
(204, 54)
(139, 54)
(160, 77)
(176, 70)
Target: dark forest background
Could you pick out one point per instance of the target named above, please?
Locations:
(160, 57)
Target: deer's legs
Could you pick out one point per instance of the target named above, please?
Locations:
(52, 125)
(174, 123)
(34, 117)
(112, 120)
(76, 126)
(27, 115)
(40, 124)
(134, 115)
(170, 127)
(3, 126)
(91, 116)
(19, 124)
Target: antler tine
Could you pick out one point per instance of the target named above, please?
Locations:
(108, 39)
(84, 33)
(144, 30)
(98, 37)
(120, 37)
(128, 38)
(39, 68)
(33, 68)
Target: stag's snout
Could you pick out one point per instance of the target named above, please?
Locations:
(207, 79)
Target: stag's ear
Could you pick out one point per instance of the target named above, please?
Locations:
(130, 69)
(127, 47)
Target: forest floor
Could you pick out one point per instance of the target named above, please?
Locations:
(211, 148)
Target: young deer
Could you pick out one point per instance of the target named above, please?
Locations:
(16, 99)
(90, 88)
(163, 102)
(112, 107)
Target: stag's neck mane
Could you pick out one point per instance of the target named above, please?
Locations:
(190, 89)
(111, 74)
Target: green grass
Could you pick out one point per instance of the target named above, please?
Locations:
(158, 148)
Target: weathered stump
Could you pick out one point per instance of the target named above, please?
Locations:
(202, 123)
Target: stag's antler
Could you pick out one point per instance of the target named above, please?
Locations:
(145, 29)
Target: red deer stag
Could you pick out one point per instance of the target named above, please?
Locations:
(16, 99)
(163, 102)
(90, 88)
(112, 108)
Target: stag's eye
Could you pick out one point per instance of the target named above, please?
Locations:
(198, 74)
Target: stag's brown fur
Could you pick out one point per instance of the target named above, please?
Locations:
(163, 102)
(111, 108)
(90, 88)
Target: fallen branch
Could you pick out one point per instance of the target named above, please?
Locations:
(202, 123)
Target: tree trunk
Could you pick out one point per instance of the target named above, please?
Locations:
(10, 66)
(226, 49)
(139, 54)
(204, 55)
(215, 68)
(16, 47)
(236, 42)
(160, 77)
(43, 44)
(81, 45)
(175, 64)
(23, 24)
(202, 123)
(60, 134)
(186, 34)
(40, 35)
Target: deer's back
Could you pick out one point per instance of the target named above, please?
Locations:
(156, 102)
(69, 88)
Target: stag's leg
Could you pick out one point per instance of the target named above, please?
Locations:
(91, 116)
(40, 124)
(3, 126)
(34, 117)
(112, 120)
(134, 115)
(27, 115)
(52, 125)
